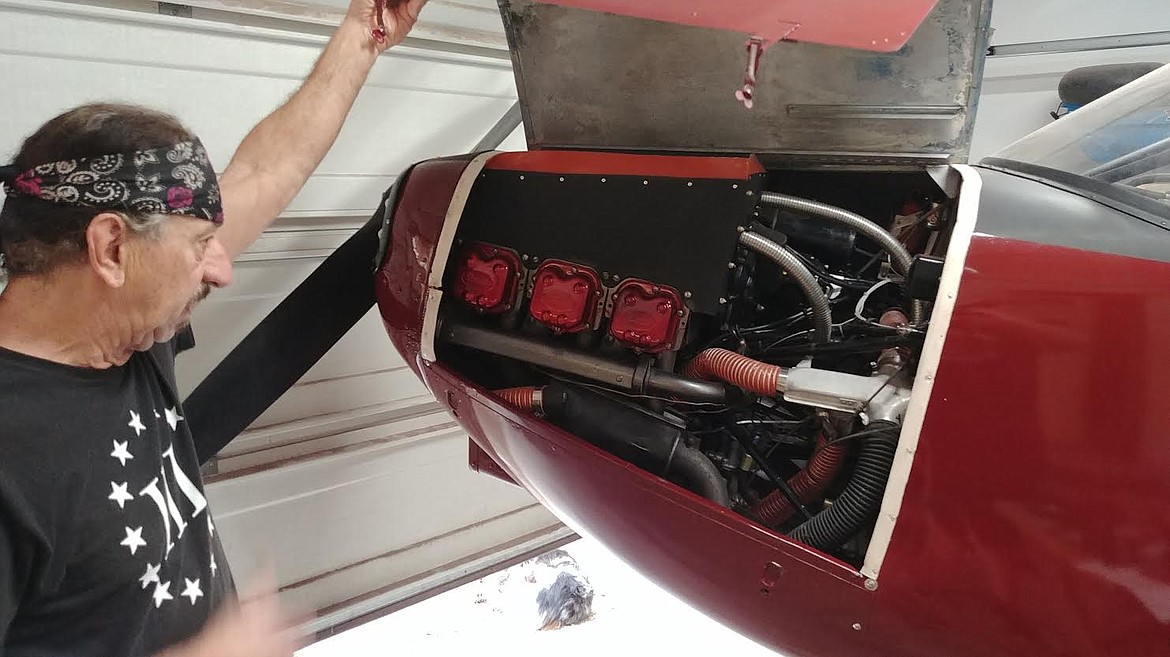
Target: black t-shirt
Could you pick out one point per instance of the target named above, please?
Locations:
(107, 546)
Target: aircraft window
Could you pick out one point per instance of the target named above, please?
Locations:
(1122, 138)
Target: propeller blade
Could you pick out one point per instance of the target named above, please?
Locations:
(289, 341)
(304, 327)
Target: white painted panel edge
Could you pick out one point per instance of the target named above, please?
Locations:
(443, 252)
(932, 353)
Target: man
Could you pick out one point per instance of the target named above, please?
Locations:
(114, 227)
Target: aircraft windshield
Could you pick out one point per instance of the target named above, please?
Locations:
(1122, 138)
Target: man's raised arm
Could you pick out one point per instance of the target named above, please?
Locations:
(277, 157)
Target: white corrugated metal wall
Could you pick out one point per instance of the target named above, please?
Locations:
(363, 482)
(1035, 42)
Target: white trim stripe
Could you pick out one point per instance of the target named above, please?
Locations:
(443, 252)
(940, 322)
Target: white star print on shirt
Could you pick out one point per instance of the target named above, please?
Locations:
(151, 576)
(136, 424)
(120, 494)
(162, 592)
(173, 418)
(121, 452)
(174, 516)
(193, 591)
(133, 539)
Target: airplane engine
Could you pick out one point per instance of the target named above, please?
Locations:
(703, 321)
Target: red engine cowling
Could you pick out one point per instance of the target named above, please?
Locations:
(1004, 528)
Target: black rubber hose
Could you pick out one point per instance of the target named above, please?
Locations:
(634, 436)
(744, 438)
(700, 475)
(861, 500)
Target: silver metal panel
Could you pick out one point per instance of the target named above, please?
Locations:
(600, 81)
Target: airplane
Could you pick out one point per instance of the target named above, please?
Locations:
(745, 314)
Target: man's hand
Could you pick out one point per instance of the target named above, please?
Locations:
(398, 18)
(256, 627)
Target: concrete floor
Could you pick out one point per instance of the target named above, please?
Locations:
(630, 614)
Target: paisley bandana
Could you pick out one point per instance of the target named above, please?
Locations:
(175, 179)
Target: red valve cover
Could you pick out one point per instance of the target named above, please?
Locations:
(487, 277)
(564, 296)
(646, 316)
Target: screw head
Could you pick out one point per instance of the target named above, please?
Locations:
(722, 300)
(871, 585)
(740, 228)
(857, 626)
(687, 295)
(731, 265)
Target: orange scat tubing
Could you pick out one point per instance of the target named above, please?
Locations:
(523, 397)
(808, 484)
(738, 370)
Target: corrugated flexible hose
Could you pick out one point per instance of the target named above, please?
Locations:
(899, 256)
(898, 253)
(861, 500)
(747, 373)
(525, 397)
(822, 316)
(808, 484)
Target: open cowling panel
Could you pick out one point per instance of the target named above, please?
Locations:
(748, 335)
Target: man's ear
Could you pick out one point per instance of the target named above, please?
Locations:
(106, 237)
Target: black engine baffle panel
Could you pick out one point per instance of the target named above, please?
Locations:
(672, 231)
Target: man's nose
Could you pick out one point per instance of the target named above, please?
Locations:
(217, 267)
